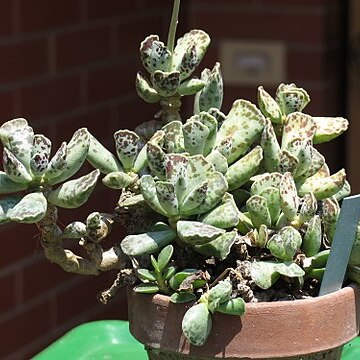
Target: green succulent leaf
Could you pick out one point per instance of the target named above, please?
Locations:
(74, 230)
(197, 233)
(147, 243)
(194, 199)
(264, 181)
(289, 199)
(211, 96)
(196, 324)
(40, 154)
(258, 210)
(271, 148)
(146, 288)
(145, 90)
(165, 192)
(7, 204)
(180, 276)
(127, 147)
(291, 98)
(76, 152)
(190, 87)
(232, 307)
(14, 169)
(154, 54)
(218, 160)
(74, 193)
(243, 169)
(273, 200)
(117, 180)
(156, 160)
(94, 221)
(8, 186)
(148, 191)
(343, 192)
(330, 215)
(288, 162)
(328, 128)
(317, 162)
(165, 257)
(182, 297)
(146, 275)
(269, 106)
(29, 210)
(244, 125)
(57, 164)
(217, 187)
(264, 274)
(195, 136)
(174, 138)
(222, 291)
(165, 83)
(308, 207)
(189, 51)
(285, 243)
(302, 150)
(220, 247)
(313, 237)
(169, 272)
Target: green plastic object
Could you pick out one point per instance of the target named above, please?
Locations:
(351, 350)
(100, 340)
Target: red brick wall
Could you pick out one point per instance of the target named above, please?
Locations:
(71, 63)
(64, 65)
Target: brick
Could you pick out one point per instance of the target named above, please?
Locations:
(6, 17)
(37, 15)
(82, 47)
(22, 60)
(24, 328)
(111, 81)
(50, 97)
(110, 8)
(7, 299)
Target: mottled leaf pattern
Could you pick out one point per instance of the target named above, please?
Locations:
(154, 54)
(173, 138)
(258, 211)
(268, 106)
(288, 196)
(328, 128)
(165, 83)
(127, 147)
(195, 136)
(145, 90)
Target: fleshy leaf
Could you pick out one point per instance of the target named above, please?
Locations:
(272, 196)
(146, 288)
(117, 180)
(217, 187)
(328, 128)
(195, 136)
(147, 243)
(264, 274)
(197, 233)
(74, 230)
(211, 96)
(189, 51)
(145, 274)
(194, 199)
(9, 127)
(302, 150)
(165, 257)
(145, 90)
(244, 124)
(156, 159)
(154, 54)
(264, 181)
(291, 98)
(258, 211)
(14, 169)
(222, 291)
(317, 162)
(288, 162)
(74, 193)
(190, 87)
(101, 158)
(196, 324)
(167, 198)
(40, 155)
(7, 204)
(8, 186)
(165, 83)
(288, 196)
(232, 307)
(220, 247)
(313, 237)
(308, 207)
(173, 138)
(57, 163)
(330, 215)
(243, 169)
(31, 209)
(271, 148)
(218, 160)
(76, 152)
(343, 192)
(269, 106)
(127, 147)
(182, 297)
(148, 190)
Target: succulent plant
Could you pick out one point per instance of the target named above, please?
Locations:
(219, 208)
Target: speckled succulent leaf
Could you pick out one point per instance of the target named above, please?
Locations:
(148, 190)
(328, 128)
(189, 51)
(288, 162)
(196, 324)
(194, 199)
(173, 138)
(289, 198)
(303, 152)
(264, 273)
(244, 124)
(224, 216)
(29, 210)
(76, 151)
(323, 172)
(244, 225)
(74, 230)
(15, 170)
(224, 147)
(297, 126)
(264, 181)
(243, 169)
(165, 83)
(154, 54)
(117, 180)
(156, 160)
(147, 243)
(272, 196)
(195, 136)
(127, 147)
(329, 217)
(211, 96)
(271, 148)
(41, 144)
(212, 124)
(355, 255)
(219, 248)
(190, 87)
(93, 221)
(323, 187)
(165, 192)
(221, 291)
(39, 164)
(258, 211)
(291, 98)
(263, 236)
(217, 114)
(176, 172)
(197, 233)
(101, 158)
(308, 207)
(6, 204)
(217, 187)
(9, 127)
(218, 160)
(157, 138)
(57, 163)
(317, 162)
(313, 237)
(8, 186)
(74, 193)
(232, 307)
(145, 90)
(343, 192)
(269, 106)
(182, 297)
(285, 243)
(141, 161)
(199, 170)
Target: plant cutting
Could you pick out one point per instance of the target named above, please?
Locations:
(225, 213)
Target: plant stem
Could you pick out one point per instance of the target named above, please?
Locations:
(173, 25)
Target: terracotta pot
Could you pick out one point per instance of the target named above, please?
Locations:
(306, 329)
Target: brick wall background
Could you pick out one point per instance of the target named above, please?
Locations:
(72, 63)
